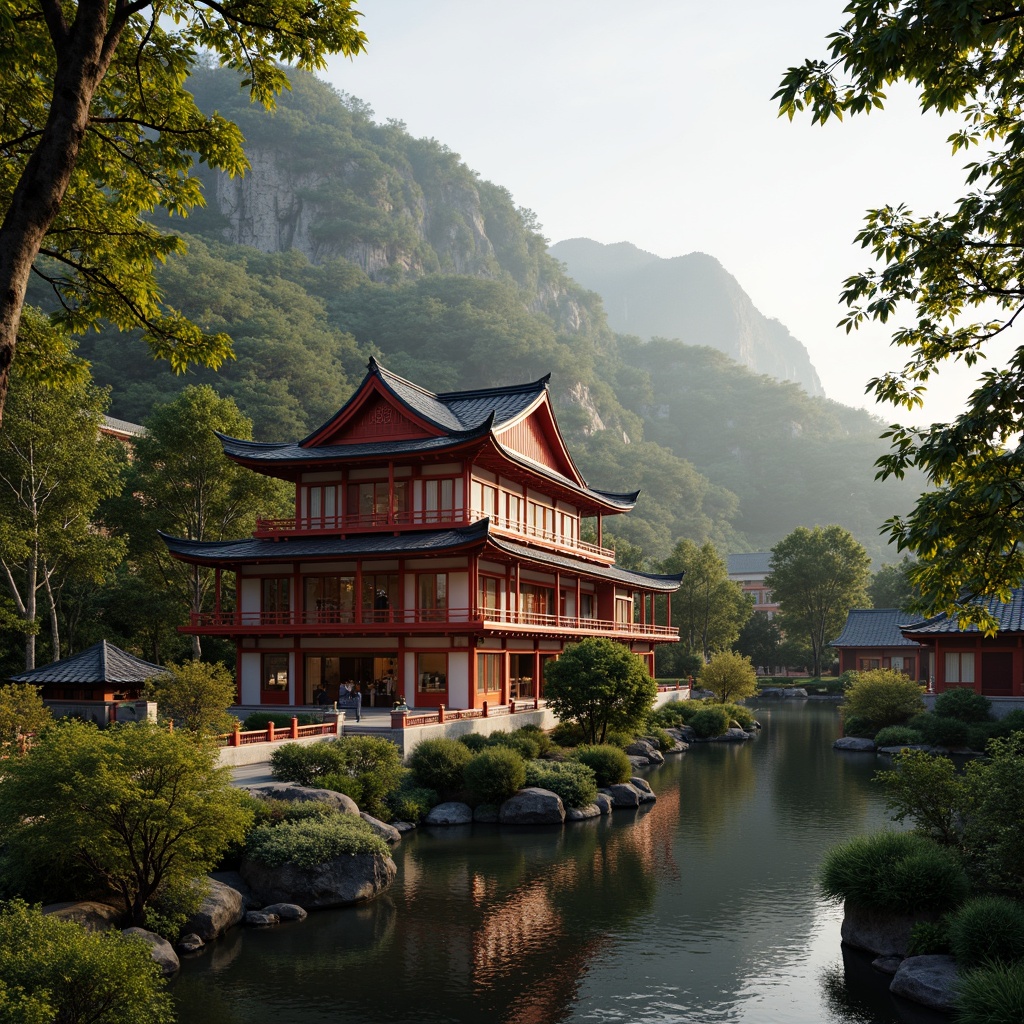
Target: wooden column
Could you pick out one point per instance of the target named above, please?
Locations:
(216, 591)
(357, 603)
(391, 492)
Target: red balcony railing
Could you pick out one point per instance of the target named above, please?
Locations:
(435, 618)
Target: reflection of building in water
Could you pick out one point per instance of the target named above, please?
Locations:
(438, 543)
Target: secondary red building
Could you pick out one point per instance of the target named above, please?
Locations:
(436, 552)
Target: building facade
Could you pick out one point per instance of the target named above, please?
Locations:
(436, 553)
(749, 570)
(873, 638)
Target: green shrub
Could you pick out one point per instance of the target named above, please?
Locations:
(493, 775)
(609, 764)
(526, 745)
(898, 872)
(710, 721)
(474, 741)
(963, 703)
(669, 716)
(884, 697)
(568, 734)
(928, 938)
(664, 741)
(1012, 722)
(438, 764)
(572, 781)
(544, 741)
(979, 733)
(743, 716)
(941, 732)
(340, 782)
(618, 738)
(411, 802)
(988, 928)
(312, 841)
(898, 736)
(857, 725)
(305, 764)
(848, 678)
(372, 766)
(991, 995)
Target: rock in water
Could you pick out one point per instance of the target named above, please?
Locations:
(160, 949)
(338, 882)
(532, 806)
(222, 908)
(931, 980)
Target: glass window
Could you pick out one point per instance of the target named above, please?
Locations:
(488, 673)
(329, 598)
(380, 596)
(960, 667)
(515, 512)
(520, 675)
(537, 600)
(433, 596)
(431, 673)
(488, 596)
(276, 595)
(587, 606)
(275, 673)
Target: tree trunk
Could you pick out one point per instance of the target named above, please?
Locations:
(82, 61)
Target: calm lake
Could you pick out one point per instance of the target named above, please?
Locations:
(698, 908)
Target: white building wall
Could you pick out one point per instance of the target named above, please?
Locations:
(458, 679)
(250, 677)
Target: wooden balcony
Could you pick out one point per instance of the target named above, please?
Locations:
(434, 620)
(318, 526)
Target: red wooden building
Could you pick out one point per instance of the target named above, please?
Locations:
(436, 552)
(992, 665)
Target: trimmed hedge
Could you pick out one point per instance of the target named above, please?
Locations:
(710, 721)
(306, 764)
(898, 736)
(493, 775)
(963, 703)
(439, 764)
(609, 764)
(898, 872)
(573, 782)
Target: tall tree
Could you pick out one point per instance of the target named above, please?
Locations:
(55, 470)
(180, 482)
(760, 640)
(98, 128)
(817, 576)
(955, 279)
(891, 586)
(709, 608)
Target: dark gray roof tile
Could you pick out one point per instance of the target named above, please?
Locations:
(875, 627)
(101, 663)
(1008, 614)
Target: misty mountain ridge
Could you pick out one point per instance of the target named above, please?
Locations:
(692, 298)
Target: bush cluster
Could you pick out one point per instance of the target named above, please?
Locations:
(313, 841)
(493, 775)
(991, 995)
(439, 764)
(884, 697)
(710, 721)
(682, 713)
(572, 781)
(411, 802)
(988, 929)
(898, 872)
(609, 764)
(898, 736)
(282, 720)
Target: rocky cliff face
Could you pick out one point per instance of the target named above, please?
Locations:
(692, 298)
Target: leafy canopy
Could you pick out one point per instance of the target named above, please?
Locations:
(98, 129)
(195, 695)
(22, 711)
(601, 685)
(952, 280)
(142, 809)
(729, 676)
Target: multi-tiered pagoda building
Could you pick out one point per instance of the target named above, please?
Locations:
(436, 553)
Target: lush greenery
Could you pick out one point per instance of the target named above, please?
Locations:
(22, 712)
(601, 685)
(988, 929)
(57, 971)
(951, 282)
(132, 809)
(439, 764)
(573, 781)
(817, 576)
(195, 695)
(899, 872)
(729, 676)
(495, 774)
(882, 697)
(314, 840)
(991, 995)
(898, 736)
(609, 764)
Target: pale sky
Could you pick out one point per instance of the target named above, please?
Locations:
(653, 123)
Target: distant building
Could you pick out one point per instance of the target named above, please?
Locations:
(874, 638)
(749, 571)
(121, 430)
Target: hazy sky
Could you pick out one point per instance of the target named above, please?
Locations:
(653, 123)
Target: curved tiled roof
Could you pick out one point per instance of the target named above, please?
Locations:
(101, 663)
(749, 561)
(875, 627)
(254, 549)
(1009, 616)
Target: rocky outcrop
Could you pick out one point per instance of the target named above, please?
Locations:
(930, 980)
(92, 916)
(532, 806)
(261, 919)
(582, 813)
(783, 693)
(643, 787)
(291, 791)
(623, 795)
(160, 949)
(388, 833)
(857, 743)
(286, 911)
(222, 908)
(452, 812)
(338, 882)
(879, 932)
(647, 750)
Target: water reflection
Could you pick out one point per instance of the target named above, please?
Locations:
(698, 908)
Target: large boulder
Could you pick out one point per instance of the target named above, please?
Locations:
(291, 791)
(877, 931)
(644, 788)
(286, 911)
(338, 882)
(452, 812)
(222, 908)
(603, 802)
(854, 743)
(733, 735)
(930, 980)
(388, 833)
(582, 813)
(532, 806)
(92, 916)
(623, 794)
(160, 949)
(646, 749)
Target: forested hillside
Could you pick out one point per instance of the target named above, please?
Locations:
(350, 238)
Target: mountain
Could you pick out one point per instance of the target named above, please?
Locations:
(351, 238)
(692, 298)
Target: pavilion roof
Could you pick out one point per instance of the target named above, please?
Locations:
(1009, 616)
(101, 663)
(876, 627)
